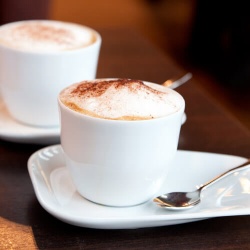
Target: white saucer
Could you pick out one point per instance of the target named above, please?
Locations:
(11, 130)
(57, 194)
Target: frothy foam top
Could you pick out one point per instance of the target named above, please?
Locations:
(45, 35)
(123, 99)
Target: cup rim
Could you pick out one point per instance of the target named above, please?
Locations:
(107, 120)
(96, 42)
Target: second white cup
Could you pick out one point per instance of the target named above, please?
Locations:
(31, 78)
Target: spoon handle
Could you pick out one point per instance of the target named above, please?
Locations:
(173, 84)
(230, 171)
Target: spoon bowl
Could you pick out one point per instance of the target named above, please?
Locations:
(186, 200)
(178, 200)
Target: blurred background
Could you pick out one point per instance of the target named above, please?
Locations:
(208, 38)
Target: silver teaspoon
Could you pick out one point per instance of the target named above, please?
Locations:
(185, 200)
(173, 83)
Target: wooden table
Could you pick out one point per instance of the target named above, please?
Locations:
(24, 224)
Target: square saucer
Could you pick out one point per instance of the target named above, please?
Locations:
(56, 192)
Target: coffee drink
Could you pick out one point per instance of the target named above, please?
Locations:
(45, 36)
(121, 99)
(39, 58)
(121, 160)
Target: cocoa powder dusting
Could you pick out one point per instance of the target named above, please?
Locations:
(95, 89)
(118, 99)
(42, 32)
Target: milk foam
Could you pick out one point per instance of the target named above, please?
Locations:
(45, 36)
(122, 99)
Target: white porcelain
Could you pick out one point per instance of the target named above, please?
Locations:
(125, 162)
(57, 194)
(31, 81)
(13, 131)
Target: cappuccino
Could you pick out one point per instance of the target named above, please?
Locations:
(40, 58)
(121, 99)
(121, 160)
(45, 36)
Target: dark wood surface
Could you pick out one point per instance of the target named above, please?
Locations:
(24, 224)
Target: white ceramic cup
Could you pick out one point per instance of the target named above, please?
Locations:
(31, 80)
(116, 162)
